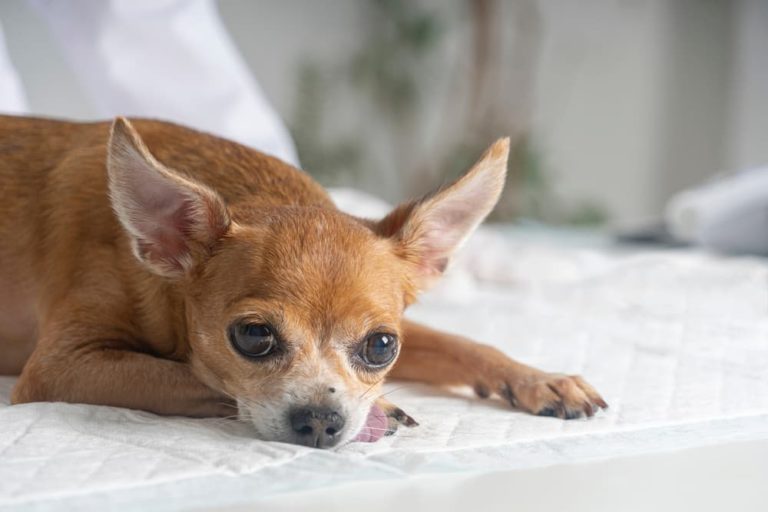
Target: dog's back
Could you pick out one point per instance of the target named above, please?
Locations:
(54, 208)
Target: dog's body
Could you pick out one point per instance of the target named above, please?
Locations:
(164, 269)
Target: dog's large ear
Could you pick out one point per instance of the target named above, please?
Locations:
(428, 231)
(171, 220)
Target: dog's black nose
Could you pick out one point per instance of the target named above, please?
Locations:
(318, 427)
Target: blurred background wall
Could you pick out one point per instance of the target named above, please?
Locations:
(613, 105)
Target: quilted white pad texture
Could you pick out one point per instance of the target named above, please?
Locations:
(676, 342)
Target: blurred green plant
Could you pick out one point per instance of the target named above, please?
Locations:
(387, 66)
(332, 162)
(538, 199)
(388, 73)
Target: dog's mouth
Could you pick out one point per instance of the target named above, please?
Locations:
(376, 426)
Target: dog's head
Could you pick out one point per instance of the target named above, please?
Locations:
(296, 313)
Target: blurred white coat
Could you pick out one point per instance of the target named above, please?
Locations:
(166, 59)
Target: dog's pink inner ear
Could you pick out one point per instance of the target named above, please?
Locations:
(162, 225)
(171, 220)
(430, 230)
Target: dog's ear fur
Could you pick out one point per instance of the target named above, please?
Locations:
(428, 231)
(172, 221)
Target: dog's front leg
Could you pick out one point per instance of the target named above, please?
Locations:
(443, 359)
(105, 374)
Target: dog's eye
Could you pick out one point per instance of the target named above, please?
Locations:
(379, 349)
(252, 340)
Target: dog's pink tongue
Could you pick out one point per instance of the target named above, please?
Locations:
(375, 426)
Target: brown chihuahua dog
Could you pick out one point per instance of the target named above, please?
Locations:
(154, 267)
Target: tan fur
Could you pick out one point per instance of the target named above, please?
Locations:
(92, 312)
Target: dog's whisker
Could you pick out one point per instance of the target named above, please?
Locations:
(370, 388)
(399, 388)
(248, 402)
(228, 394)
(225, 418)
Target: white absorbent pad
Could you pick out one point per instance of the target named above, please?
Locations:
(677, 343)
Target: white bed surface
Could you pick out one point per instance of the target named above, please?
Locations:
(705, 479)
(676, 342)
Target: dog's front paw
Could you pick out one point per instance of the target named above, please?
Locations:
(395, 416)
(384, 418)
(548, 394)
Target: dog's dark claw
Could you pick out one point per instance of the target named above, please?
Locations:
(508, 395)
(559, 410)
(403, 418)
(572, 415)
(482, 390)
(395, 418)
(548, 411)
